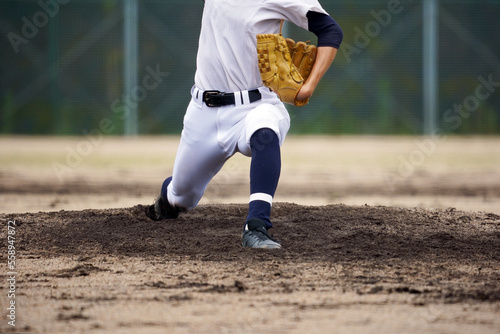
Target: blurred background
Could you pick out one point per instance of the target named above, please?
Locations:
(67, 65)
(93, 93)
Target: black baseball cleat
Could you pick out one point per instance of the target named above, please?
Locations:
(255, 235)
(161, 210)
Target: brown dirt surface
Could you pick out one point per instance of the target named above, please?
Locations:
(392, 235)
(355, 268)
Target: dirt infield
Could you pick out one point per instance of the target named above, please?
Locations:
(418, 253)
(352, 269)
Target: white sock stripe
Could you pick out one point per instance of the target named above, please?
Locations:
(261, 197)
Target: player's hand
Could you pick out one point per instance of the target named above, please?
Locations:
(324, 58)
(305, 92)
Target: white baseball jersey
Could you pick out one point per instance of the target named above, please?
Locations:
(227, 56)
(227, 62)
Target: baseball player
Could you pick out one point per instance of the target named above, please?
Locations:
(231, 111)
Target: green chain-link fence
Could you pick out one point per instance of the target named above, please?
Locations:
(62, 67)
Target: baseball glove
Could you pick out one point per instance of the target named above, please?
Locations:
(285, 65)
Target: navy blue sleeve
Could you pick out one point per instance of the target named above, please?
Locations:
(326, 28)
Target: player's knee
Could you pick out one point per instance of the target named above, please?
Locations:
(262, 138)
(184, 203)
(184, 198)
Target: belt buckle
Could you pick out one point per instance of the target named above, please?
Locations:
(212, 98)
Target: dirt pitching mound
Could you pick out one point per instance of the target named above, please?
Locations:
(427, 256)
(364, 237)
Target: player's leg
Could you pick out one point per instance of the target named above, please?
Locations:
(199, 158)
(267, 127)
(265, 169)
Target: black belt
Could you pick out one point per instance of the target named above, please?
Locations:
(214, 98)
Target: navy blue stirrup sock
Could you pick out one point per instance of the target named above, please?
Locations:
(265, 169)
